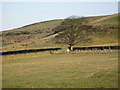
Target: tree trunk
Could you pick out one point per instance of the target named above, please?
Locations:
(70, 48)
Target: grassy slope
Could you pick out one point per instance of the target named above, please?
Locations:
(42, 70)
(104, 38)
(37, 31)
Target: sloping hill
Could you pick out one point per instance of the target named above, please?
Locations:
(39, 35)
(110, 19)
(38, 30)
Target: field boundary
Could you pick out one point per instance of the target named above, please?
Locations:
(27, 51)
(103, 48)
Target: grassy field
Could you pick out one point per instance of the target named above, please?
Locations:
(45, 70)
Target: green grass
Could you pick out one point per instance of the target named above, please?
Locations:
(43, 70)
(5, 44)
(110, 21)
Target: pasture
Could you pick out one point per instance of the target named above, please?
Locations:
(44, 70)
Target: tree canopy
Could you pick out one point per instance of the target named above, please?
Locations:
(72, 31)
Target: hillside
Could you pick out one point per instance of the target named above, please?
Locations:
(40, 35)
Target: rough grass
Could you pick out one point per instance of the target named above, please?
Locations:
(43, 70)
(21, 40)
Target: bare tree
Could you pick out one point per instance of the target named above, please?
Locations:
(73, 31)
